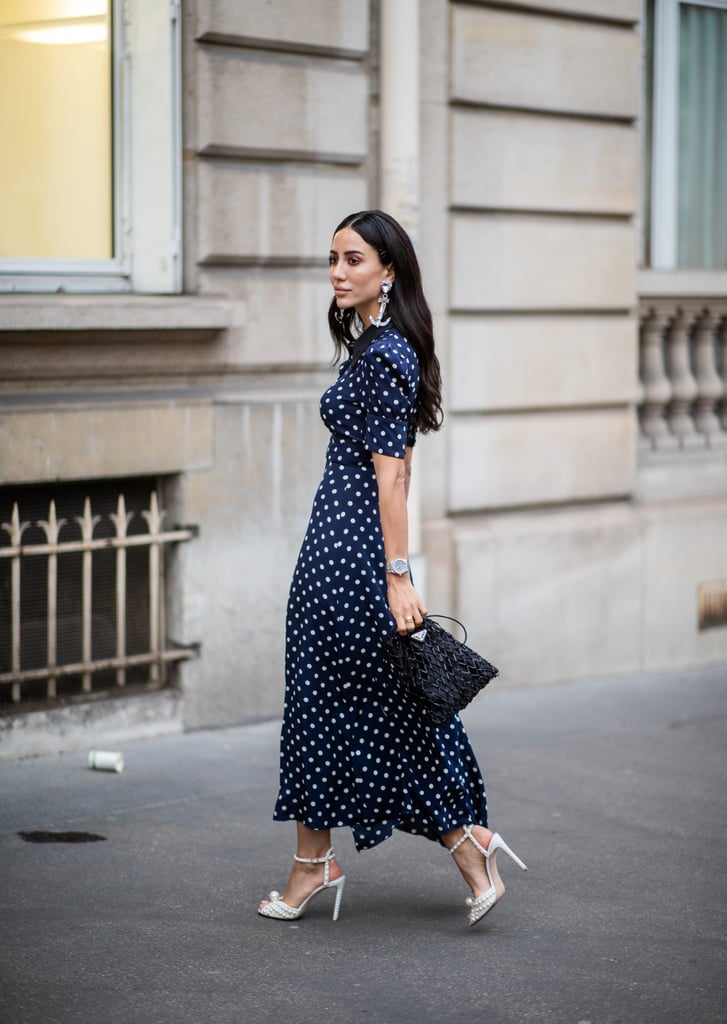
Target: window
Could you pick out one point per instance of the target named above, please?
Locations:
(89, 123)
(685, 142)
(56, 194)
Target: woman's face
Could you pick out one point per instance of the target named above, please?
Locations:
(356, 272)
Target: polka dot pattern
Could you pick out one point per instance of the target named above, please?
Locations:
(354, 749)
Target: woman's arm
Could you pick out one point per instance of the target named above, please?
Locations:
(392, 477)
(407, 469)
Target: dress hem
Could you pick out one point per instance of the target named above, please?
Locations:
(387, 829)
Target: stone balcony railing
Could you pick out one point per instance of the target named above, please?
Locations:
(683, 375)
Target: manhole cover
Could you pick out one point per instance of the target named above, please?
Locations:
(60, 837)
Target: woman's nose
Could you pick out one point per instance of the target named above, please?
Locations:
(337, 271)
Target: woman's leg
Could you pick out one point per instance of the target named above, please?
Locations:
(304, 878)
(468, 858)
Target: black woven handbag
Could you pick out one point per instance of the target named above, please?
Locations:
(440, 672)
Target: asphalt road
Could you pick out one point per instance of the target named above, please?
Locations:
(613, 791)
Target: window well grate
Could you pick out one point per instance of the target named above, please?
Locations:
(712, 601)
(82, 593)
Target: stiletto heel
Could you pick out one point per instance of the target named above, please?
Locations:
(498, 843)
(281, 911)
(482, 904)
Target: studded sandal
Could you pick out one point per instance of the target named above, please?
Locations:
(482, 904)
(281, 911)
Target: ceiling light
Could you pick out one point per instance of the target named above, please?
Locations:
(65, 35)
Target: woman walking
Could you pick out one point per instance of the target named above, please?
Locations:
(355, 749)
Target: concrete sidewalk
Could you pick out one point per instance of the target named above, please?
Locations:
(613, 792)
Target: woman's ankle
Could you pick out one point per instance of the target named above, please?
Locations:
(312, 844)
(459, 839)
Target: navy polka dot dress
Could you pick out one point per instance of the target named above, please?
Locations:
(354, 749)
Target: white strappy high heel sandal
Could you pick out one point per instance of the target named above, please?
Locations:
(482, 904)
(282, 911)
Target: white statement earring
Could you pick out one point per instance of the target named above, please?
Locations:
(383, 300)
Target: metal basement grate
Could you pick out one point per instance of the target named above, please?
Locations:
(82, 595)
(712, 604)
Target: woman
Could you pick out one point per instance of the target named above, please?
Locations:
(354, 749)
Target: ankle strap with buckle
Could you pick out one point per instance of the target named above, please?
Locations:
(315, 860)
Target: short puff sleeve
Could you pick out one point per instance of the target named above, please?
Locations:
(391, 377)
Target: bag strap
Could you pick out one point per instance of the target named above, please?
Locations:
(450, 618)
(369, 335)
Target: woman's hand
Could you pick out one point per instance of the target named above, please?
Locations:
(406, 606)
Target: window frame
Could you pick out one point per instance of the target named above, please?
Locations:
(664, 154)
(147, 162)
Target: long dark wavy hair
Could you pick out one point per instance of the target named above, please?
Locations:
(408, 308)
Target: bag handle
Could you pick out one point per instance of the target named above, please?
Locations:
(450, 618)
(396, 634)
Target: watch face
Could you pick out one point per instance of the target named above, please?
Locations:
(399, 565)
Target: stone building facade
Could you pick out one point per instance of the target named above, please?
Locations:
(572, 510)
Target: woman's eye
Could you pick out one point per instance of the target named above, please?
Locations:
(353, 262)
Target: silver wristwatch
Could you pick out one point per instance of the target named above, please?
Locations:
(399, 566)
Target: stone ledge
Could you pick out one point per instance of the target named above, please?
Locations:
(678, 475)
(61, 315)
(682, 284)
(95, 724)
